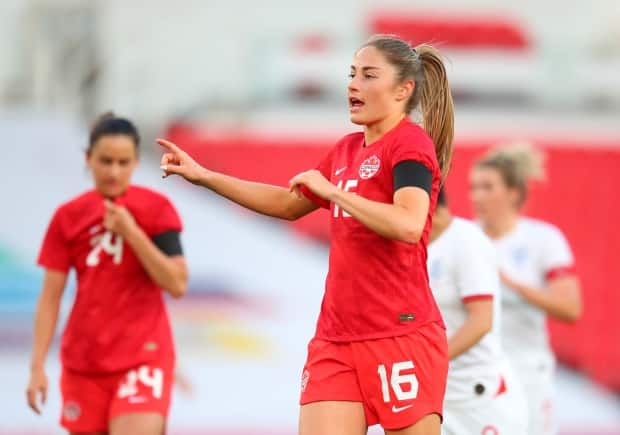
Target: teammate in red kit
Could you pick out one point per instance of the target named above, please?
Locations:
(123, 242)
(380, 352)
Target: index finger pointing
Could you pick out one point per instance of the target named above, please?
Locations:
(168, 145)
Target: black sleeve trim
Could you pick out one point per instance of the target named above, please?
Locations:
(410, 173)
(169, 243)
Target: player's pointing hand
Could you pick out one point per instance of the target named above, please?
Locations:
(175, 161)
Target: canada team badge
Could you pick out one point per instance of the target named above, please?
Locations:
(71, 411)
(369, 167)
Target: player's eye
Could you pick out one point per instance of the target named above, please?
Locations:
(124, 162)
(105, 160)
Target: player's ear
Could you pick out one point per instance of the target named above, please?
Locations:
(515, 196)
(136, 161)
(405, 90)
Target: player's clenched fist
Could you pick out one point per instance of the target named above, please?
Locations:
(118, 219)
(175, 161)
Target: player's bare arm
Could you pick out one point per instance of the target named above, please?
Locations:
(266, 199)
(478, 323)
(46, 317)
(560, 299)
(403, 220)
(170, 273)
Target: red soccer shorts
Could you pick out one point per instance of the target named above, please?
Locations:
(91, 401)
(399, 380)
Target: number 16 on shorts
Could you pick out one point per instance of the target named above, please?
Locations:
(396, 384)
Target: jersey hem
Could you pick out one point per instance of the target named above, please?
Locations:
(120, 369)
(377, 335)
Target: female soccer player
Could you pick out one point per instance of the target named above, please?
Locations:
(537, 272)
(482, 395)
(380, 353)
(123, 242)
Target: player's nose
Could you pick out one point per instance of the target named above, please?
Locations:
(353, 85)
(115, 171)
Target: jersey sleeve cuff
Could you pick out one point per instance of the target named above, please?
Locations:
(54, 266)
(558, 272)
(314, 198)
(474, 298)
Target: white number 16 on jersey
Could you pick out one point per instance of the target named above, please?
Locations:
(398, 380)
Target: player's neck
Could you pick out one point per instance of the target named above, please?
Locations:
(441, 221)
(374, 132)
(501, 227)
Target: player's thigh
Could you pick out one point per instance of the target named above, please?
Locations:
(427, 425)
(85, 402)
(142, 399)
(143, 423)
(333, 418)
(403, 379)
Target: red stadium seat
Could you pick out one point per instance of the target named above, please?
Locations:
(452, 31)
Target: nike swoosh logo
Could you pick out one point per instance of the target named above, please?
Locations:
(402, 408)
(340, 171)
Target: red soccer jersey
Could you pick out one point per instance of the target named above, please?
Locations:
(118, 319)
(375, 287)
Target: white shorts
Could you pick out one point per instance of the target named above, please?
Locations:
(501, 412)
(538, 385)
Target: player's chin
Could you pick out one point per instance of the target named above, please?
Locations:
(482, 214)
(113, 191)
(358, 118)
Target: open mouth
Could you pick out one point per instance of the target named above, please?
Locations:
(355, 102)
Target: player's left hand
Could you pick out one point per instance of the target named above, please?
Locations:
(509, 282)
(118, 219)
(315, 181)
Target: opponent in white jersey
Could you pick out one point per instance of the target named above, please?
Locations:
(537, 273)
(482, 394)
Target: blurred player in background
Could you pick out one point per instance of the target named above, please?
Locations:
(380, 352)
(537, 272)
(482, 395)
(124, 243)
